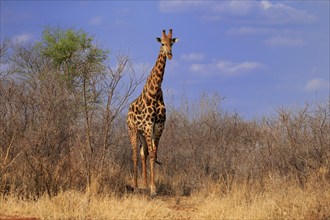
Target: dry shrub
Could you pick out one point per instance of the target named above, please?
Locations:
(211, 146)
(58, 135)
(44, 147)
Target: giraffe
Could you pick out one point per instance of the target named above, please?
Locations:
(147, 114)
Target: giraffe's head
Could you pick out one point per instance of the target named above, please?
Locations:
(167, 42)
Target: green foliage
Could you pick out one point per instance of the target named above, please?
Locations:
(73, 52)
(61, 45)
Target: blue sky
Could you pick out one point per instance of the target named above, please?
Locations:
(259, 55)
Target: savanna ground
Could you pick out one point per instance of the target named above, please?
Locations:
(278, 199)
(65, 153)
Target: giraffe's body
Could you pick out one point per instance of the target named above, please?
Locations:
(147, 115)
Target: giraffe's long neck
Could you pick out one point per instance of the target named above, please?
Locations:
(154, 81)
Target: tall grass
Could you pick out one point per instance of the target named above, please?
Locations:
(276, 199)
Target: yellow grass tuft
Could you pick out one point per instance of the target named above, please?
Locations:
(276, 199)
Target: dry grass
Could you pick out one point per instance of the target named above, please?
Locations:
(274, 199)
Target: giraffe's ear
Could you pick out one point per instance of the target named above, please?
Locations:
(174, 40)
(158, 39)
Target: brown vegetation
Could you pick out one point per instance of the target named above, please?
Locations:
(275, 199)
(65, 153)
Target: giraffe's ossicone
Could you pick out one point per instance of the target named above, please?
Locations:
(147, 114)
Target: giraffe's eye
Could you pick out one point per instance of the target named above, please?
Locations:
(163, 44)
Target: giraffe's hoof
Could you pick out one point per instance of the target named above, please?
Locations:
(153, 191)
(153, 195)
(129, 189)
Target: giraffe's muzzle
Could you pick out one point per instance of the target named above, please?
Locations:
(169, 55)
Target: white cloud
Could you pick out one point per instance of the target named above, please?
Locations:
(266, 4)
(235, 7)
(197, 67)
(262, 12)
(317, 84)
(265, 12)
(284, 37)
(193, 57)
(271, 31)
(179, 5)
(226, 67)
(285, 41)
(281, 14)
(95, 21)
(236, 68)
(21, 38)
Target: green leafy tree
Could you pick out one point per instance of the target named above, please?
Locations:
(74, 53)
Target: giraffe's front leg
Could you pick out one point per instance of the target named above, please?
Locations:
(144, 168)
(152, 175)
(152, 158)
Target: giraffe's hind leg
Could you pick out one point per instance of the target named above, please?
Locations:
(134, 141)
(158, 130)
(144, 154)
